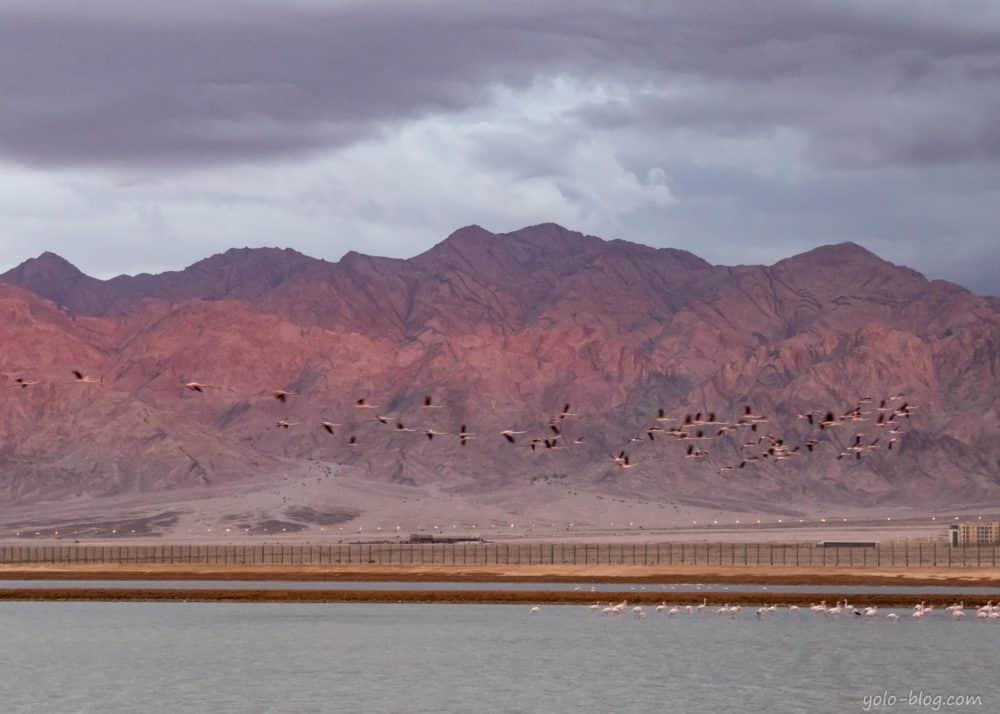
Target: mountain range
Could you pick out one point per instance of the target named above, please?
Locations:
(502, 330)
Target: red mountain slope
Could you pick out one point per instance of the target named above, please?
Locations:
(502, 330)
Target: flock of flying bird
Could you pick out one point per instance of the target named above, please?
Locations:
(749, 440)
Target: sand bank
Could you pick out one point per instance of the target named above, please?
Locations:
(514, 573)
(481, 597)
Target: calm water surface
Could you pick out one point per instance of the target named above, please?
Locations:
(220, 658)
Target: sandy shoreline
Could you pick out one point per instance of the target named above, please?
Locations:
(523, 574)
(480, 597)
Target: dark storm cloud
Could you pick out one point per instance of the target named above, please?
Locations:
(742, 130)
(867, 83)
(104, 87)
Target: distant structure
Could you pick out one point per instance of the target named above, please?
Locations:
(422, 538)
(847, 544)
(974, 533)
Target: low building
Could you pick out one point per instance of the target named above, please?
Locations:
(425, 538)
(974, 533)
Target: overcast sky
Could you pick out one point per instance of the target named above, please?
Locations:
(144, 136)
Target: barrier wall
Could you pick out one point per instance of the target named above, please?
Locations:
(907, 554)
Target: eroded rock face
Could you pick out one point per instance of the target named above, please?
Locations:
(502, 330)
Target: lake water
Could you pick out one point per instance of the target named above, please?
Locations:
(204, 657)
(694, 588)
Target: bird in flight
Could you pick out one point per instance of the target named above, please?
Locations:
(828, 421)
(200, 387)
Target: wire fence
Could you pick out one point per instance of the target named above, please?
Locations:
(902, 554)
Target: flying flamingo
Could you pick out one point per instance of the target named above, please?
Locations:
(200, 387)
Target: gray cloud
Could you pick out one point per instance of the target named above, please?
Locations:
(866, 82)
(741, 130)
(107, 89)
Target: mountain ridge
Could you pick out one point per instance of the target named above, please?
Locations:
(502, 329)
(47, 262)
